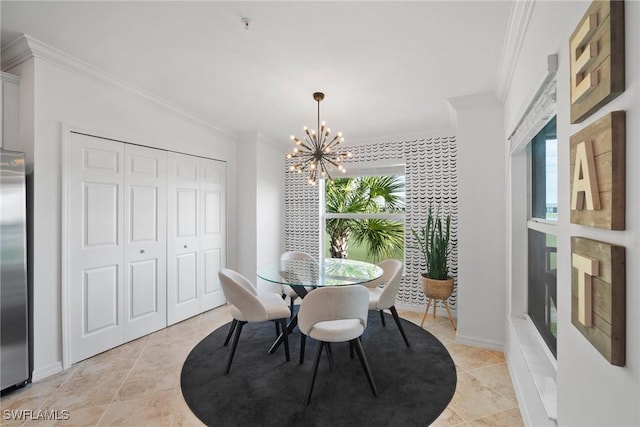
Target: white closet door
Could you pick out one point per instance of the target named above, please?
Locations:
(145, 249)
(95, 245)
(212, 230)
(183, 273)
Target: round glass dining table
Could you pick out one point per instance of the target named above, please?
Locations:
(302, 274)
(311, 273)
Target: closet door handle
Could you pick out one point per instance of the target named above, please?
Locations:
(141, 251)
(185, 246)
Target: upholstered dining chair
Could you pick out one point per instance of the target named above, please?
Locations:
(249, 307)
(335, 314)
(383, 291)
(287, 291)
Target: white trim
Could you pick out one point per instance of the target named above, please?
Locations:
(543, 227)
(477, 342)
(66, 258)
(539, 111)
(516, 30)
(47, 371)
(543, 372)
(26, 47)
(10, 78)
(533, 331)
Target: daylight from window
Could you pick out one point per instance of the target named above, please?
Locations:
(364, 217)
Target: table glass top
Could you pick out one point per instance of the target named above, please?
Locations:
(327, 272)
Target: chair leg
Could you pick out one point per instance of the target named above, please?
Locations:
(285, 332)
(316, 360)
(303, 342)
(382, 317)
(291, 309)
(365, 365)
(234, 323)
(394, 313)
(234, 344)
(329, 355)
(277, 328)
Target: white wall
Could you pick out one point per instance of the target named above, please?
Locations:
(260, 204)
(59, 97)
(481, 232)
(590, 391)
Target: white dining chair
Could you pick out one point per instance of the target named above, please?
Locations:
(288, 291)
(382, 296)
(249, 307)
(335, 314)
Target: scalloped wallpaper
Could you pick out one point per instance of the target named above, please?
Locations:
(431, 177)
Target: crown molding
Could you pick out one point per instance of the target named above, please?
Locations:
(10, 78)
(26, 47)
(516, 29)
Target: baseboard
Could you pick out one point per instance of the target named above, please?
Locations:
(47, 371)
(479, 342)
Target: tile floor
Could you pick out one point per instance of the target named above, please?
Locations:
(121, 386)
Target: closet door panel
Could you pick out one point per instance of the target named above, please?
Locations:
(145, 253)
(213, 226)
(95, 198)
(184, 277)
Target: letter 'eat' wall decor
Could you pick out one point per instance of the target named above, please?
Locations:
(597, 155)
(597, 58)
(598, 302)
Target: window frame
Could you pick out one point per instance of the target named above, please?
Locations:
(541, 225)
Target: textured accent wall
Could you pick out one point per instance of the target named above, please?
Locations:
(431, 178)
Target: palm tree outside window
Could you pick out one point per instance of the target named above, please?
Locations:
(364, 217)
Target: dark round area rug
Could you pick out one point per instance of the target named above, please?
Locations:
(414, 384)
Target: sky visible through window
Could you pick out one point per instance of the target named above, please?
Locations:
(552, 171)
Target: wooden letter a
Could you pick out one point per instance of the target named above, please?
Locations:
(585, 181)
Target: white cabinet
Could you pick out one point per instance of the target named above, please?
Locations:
(146, 238)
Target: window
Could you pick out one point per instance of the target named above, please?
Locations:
(541, 243)
(364, 217)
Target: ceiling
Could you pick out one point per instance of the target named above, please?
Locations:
(387, 68)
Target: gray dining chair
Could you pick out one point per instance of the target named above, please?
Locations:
(249, 307)
(383, 292)
(335, 314)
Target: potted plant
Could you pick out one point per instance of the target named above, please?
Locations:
(434, 245)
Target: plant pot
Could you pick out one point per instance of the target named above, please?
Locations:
(437, 289)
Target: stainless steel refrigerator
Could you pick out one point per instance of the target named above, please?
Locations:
(14, 352)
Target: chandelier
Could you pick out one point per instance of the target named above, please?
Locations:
(317, 153)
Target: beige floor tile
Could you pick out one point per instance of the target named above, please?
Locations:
(448, 418)
(497, 378)
(473, 400)
(33, 396)
(77, 417)
(509, 418)
(183, 417)
(155, 410)
(466, 357)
